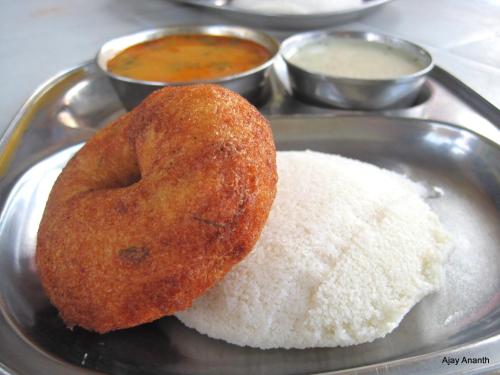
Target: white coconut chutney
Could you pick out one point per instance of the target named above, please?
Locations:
(354, 58)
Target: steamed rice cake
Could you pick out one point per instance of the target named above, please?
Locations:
(348, 249)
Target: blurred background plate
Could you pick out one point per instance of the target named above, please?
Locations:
(286, 21)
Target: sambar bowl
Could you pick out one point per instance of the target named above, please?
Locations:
(253, 84)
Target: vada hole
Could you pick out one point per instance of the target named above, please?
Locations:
(119, 181)
(136, 177)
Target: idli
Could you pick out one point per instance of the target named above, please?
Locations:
(347, 250)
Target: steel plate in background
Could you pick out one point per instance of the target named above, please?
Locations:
(286, 21)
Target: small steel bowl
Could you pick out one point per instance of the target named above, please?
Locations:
(252, 84)
(354, 93)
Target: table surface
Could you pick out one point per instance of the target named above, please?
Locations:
(39, 38)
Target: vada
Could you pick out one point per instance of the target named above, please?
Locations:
(156, 208)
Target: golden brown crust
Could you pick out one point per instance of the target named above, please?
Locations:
(156, 208)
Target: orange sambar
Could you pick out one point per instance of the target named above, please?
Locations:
(184, 58)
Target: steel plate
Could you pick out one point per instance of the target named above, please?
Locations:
(286, 21)
(462, 173)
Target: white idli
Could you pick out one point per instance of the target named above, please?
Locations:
(347, 250)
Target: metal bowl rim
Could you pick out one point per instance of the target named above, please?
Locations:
(359, 35)
(182, 29)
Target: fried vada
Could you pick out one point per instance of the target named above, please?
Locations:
(156, 208)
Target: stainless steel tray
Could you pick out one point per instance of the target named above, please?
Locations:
(460, 168)
(286, 21)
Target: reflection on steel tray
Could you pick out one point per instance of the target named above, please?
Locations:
(286, 21)
(461, 320)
